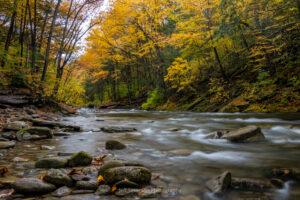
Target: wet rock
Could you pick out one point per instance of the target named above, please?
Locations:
(53, 124)
(139, 175)
(127, 192)
(114, 145)
(220, 183)
(7, 181)
(190, 197)
(40, 131)
(7, 145)
(126, 184)
(110, 164)
(15, 126)
(59, 134)
(117, 129)
(30, 111)
(61, 192)
(80, 159)
(13, 100)
(80, 177)
(9, 135)
(32, 186)
(180, 152)
(174, 129)
(150, 192)
(133, 134)
(19, 159)
(82, 191)
(277, 182)
(103, 190)
(133, 164)
(286, 174)
(48, 163)
(86, 185)
(45, 147)
(245, 134)
(250, 184)
(3, 139)
(58, 177)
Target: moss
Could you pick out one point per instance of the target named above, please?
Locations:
(80, 159)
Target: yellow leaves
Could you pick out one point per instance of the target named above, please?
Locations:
(114, 188)
(100, 179)
(99, 75)
(42, 176)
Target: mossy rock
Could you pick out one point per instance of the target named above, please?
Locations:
(114, 145)
(80, 159)
(51, 163)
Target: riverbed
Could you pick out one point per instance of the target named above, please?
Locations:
(179, 148)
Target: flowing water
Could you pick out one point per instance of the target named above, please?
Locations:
(184, 174)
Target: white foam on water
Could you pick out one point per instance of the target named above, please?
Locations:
(284, 193)
(148, 131)
(254, 120)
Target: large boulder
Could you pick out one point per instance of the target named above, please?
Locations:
(6, 144)
(245, 134)
(15, 126)
(48, 163)
(58, 177)
(114, 145)
(250, 184)
(220, 183)
(40, 131)
(32, 186)
(80, 159)
(139, 175)
(110, 164)
(113, 129)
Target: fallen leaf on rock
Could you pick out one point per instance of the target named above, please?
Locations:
(156, 177)
(99, 161)
(74, 171)
(100, 179)
(3, 171)
(42, 176)
(114, 188)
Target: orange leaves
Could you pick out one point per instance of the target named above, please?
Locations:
(98, 161)
(114, 188)
(100, 179)
(42, 176)
(74, 171)
(3, 171)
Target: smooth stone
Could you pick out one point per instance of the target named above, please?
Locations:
(86, 185)
(80, 177)
(32, 186)
(127, 192)
(220, 183)
(7, 181)
(103, 190)
(59, 134)
(80, 159)
(19, 159)
(126, 184)
(7, 145)
(180, 152)
(44, 147)
(277, 182)
(250, 184)
(48, 163)
(40, 131)
(150, 192)
(82, 191)
(114, 145)
(174, 129)
(61, 192)
(117, 129)
(110, 164)
(139, 175)
(58, 177)
(15, 126)
(9, 135)
(245, 134)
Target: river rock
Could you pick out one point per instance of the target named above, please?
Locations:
(32, 186)
(110, 164)
(126, 184)
(59, 134)
(139, 175)
(122, 192)
(82, 192)
(250, 184)
(48, 163)
(245, 134)
(53, 124)
(286, 174)
(7, 145)
(86, 185)
(80, 159)
(61, 192)
(15, 126)
(113, 129)
(40, 131)
(220, 183)
(9, 135)
(103, 190)
(45, 147)
(114, 145)
(58, 177)
(19, 159)
(150, 192)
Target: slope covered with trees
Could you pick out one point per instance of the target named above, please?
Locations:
(207, 55)
(204, 55)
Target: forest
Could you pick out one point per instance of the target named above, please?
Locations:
(208, 55)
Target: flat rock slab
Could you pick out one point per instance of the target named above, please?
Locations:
(245, 134)
(32, 186)
(6, 145)
(13, 100)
